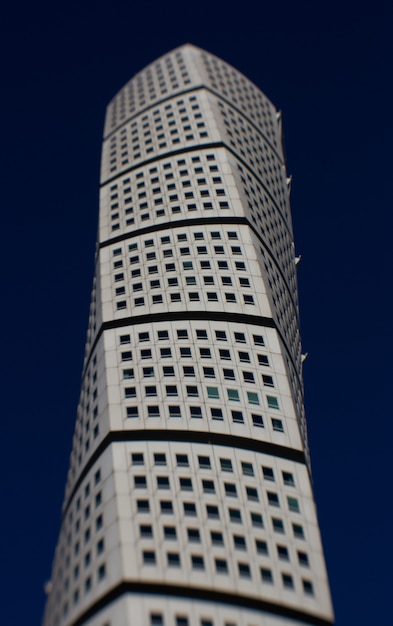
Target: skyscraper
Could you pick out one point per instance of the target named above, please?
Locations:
(188, 499)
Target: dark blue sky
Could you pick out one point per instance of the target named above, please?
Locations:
(328, 66)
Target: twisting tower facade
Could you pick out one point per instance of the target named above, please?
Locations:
(188, 499)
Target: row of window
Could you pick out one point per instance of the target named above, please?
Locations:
(200, 334)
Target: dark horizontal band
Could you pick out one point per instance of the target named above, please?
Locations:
(196, 221)
(186, 436)
(199, 593)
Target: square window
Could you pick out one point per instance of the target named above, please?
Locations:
(221, 335)
(261, 547)
(298, 531)
(196, 412)
(252, 397)
(229, 374)
(212, 392)
(197, 562)
(237, 417)
(235, 516)
(256, 520)
(132, 411)
(182, 334)
(248, 377)
(278, 525)
(174, 411)
(168, 371)
(212, 511)
(233, 395)
(263, 359)
(153, 411)
(266, 575)
(308, 587)
(204, 462)
(188, 371)
(216, 414)
(277, 425)
(288, 479)
(193, 535)
(182, 460)
(293, 504)
(208, 372)
(159, 458)
(189, 508)
(145, 531)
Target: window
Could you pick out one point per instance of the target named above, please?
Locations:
(205, 353)
(278, 525)
(244, 570)
(182, 460)
(287, 581)
(258, 340)
(140, 482)
(171, 390)
(185, 353)
(201, 334)
(221, 566)
(263, 359)
(189, 508)
(188, 370)
(197, 562)
(277, 425)
(156, 619)
(209, 372)
(216, 538)
(256, 520)
(153, 411)
(163, 482)
(173, 559)
(233, 395)
(261, 547)
(166, 506)
(237, 417)
(266, 575)
(288, 479)
(204, 462)
(221, 335)
(185, 484)
(293, 504)
(174, 411)
(273, 498)
(226, 465)
(196, 412)
(212, 511)
(193, 535)
(268, 473)
(149, 557)
(239, 542)
(298, 531)
(168, 371)
(229, 374)
(252, 494)
(244, 357)
(308, 587)
(212, 392)
(146, 531)
(252, 397)
(272, 402)
(235, 516)
(267, 381)
(128, 374)
(225, 355)
(132, 411)
(143, 506)
(182, 334)
(282, 553)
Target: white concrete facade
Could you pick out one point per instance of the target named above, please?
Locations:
(188, 499)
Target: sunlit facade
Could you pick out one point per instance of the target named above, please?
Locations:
(188, 499)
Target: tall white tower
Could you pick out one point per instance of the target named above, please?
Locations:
(188, 499)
